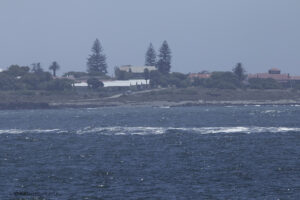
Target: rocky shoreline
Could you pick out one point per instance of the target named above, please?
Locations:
(23, 106)
(153, 98)
(87, 104)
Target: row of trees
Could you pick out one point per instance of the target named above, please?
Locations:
(163, 63)
(222, 80)
(97, 65)
(23, 77)
(54, 67)
(34, 78)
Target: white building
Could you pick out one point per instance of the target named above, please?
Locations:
(116, 83)
(125, 83)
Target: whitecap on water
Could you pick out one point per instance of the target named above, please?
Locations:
(271, 111)
(201, 130)
(118, 130)
(20, 131)
(11, 131)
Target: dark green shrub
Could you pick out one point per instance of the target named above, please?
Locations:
(94, 83)
(258, 83)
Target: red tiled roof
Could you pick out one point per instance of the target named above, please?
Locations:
(295, 77)
(278, 77)
(198, 75)
(274, 69)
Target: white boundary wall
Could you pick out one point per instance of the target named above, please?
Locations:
(117, 83)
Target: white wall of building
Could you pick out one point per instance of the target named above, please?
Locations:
(117, 83)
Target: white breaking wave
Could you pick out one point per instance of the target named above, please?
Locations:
(20, 131)
(119, 130)
(271, 111)
(203, 130)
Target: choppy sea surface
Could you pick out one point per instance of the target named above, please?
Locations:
(208, 152)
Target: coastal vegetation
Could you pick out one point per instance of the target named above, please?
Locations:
(25, 84)
(35, 78)
(150, 58)
(54, 67)
(94, 83)
(164, 59)
(97, 60)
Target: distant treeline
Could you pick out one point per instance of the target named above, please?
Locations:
(96, 64)
(235, 79)
(35, 78)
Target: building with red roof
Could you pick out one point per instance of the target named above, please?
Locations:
(275, 74)
(199, 75)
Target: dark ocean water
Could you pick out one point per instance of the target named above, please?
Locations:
(239, 152)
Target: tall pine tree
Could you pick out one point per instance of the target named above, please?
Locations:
(150, 58)
(164, 61)
(97, 61)
(239, 71)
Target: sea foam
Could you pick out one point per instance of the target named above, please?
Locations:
(119, 130)
(202, 130)
(20, 131)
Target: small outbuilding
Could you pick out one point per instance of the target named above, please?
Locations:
(274, 71)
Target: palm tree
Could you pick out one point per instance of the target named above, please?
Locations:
(54, 67)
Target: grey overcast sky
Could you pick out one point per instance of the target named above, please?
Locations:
(202, 34)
